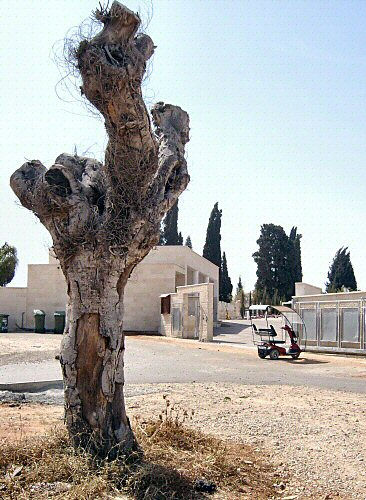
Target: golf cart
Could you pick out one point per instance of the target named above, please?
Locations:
(275, 331)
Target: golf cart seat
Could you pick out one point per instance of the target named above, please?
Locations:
(271, 332)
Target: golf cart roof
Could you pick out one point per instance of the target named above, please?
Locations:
(264, 307)
(283, 309)
(259, 307)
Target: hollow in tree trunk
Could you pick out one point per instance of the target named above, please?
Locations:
(104, 219)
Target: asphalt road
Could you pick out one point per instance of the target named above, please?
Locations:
(161, 360)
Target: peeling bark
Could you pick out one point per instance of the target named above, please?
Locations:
(104, 219)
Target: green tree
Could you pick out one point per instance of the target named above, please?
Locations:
(341, 274)
(8, 263)
(242, 304)
(295, 257)
(274, 266)
(239, 287)
(225, 288)
(188, 242)
(169, 233)
(212, 248)
(240, 295)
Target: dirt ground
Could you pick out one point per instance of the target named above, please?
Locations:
(314, 438)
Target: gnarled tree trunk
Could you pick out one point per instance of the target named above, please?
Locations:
(104, 219)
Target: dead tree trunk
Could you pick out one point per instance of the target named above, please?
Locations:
(104, 219)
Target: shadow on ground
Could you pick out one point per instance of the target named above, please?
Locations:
(231, 328)
(300, 361)
(165, 482)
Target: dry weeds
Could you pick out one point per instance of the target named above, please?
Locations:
(175, 457)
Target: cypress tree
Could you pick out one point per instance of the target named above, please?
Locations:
(295, 257)
(242, 304)
(212, 248)
(225, 287)
(188, 242)
(239, 287)
(169, 234)
(341, 274)
(240, 295)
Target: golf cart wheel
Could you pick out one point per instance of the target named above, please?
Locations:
(262, 354)
(274, 354)
(295, 355)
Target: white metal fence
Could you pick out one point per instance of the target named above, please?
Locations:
(337, 326)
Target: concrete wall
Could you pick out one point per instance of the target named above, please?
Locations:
(190, 261)
(306, 289)
(180, 301)
(46, 291)
(13, 302)
(142, 295)
(328, 297)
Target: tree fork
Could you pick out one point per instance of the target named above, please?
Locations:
(104, 219)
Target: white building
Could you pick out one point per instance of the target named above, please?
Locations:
(335, 322)
(163, 270)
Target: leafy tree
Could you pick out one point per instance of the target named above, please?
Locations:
(188, 242)
(8, 263)
(169, 233)
(225, 282)
(341, 274)
(212, 248)
(274, 267)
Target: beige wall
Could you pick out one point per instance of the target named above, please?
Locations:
(46, 291)
(13, 302)
(154, 276)
(328, 297)
(189, 260)
(180, 300)
(306, 289)
(142, 295)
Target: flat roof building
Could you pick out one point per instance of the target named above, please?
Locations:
(163, 270)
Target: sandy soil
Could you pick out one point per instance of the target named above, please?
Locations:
(315, 438)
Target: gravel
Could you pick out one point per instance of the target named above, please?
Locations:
(314, 438)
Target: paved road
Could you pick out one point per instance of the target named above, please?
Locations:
(156, 359)
(160, 360)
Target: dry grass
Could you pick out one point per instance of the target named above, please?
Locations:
(175, 456)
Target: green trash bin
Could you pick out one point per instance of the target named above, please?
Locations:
(59, 321)
(39, 321)
(4, 322)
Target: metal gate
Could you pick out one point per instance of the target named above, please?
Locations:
(194, 310)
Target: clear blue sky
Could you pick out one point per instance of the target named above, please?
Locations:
(276, 92)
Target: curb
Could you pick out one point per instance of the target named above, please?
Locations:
(42, 385)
